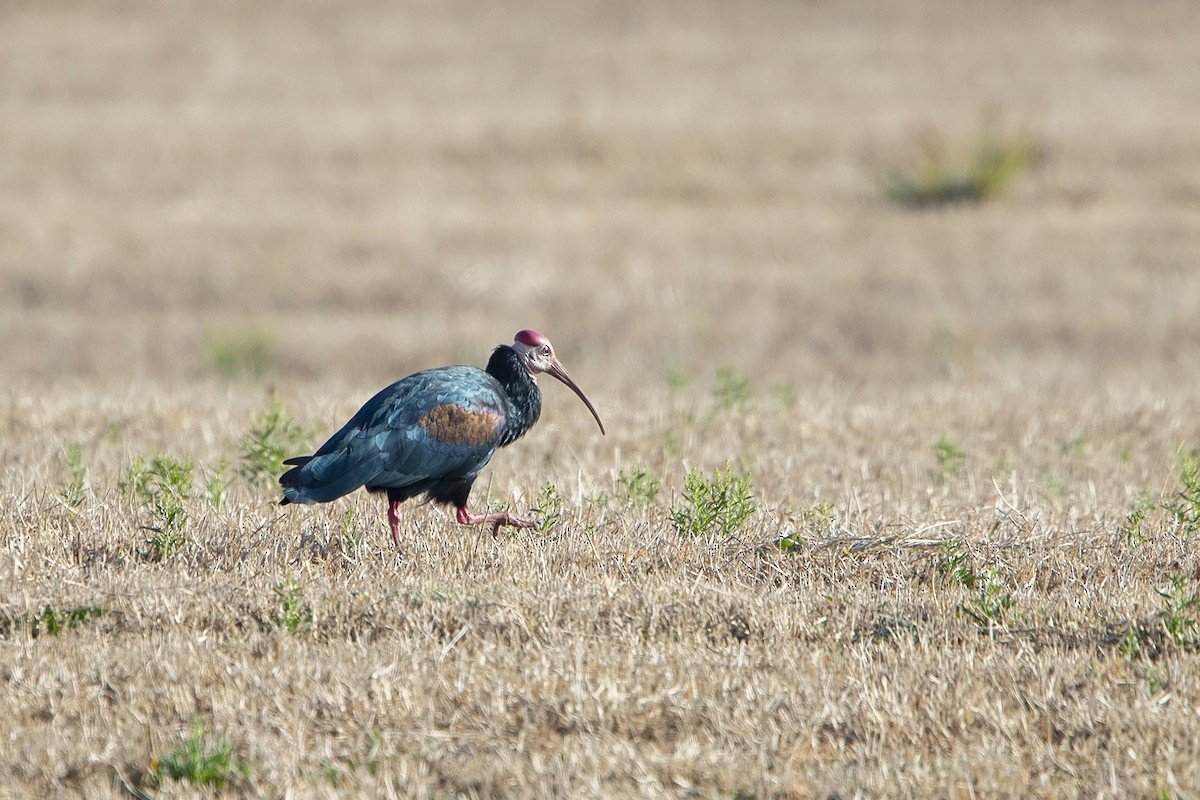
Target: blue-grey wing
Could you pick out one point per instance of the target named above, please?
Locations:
(440, 424)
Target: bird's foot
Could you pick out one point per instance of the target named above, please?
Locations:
(465, 517)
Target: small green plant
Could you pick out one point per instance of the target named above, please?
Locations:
(670, 443)
(295, 614)
(1179, 619)
(162, 486)
(949, 456)
(637, 487)
(199, 760)
(72, 493)
(272, 437)
(351, 534)
(1185, 507)
(241, 353)
(1154, 681)
(549, 508)
(677, 378)
(983, 175)
(990, 604)
(791, 541)
(215, 485)
(945, 348)
(1075, 447)
(817, 519)
(955, 567)
(733, 390)
(1130, 644)
(785, 393)
(1132, 531)
(1176, 624)
(717, 505)
(53, 622)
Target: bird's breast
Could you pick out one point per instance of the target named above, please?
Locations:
(451, 423)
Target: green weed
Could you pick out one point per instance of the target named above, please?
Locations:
(816, 519)
(1155, 683)
(985, 174)
(549, 508)
(1179, 620)
(53, 622)
(272, 437)
(241, 353)
(945, 348)
(1131, 532)
(1185, 507)
(215, 485)
(114, 430)
(351, 533)
(785, 393)
(733, 390)
(162, 486)
(1176, 624)
(670, 443)
(1075, 447)
(791, 541)
(72, 492)
(950, 458)
(295, 614)
(637, 487)
(819, 517)
(1130, 644)
(717, 505)
(990, 603)
(199, 760)
(677, 378)
(955, 567)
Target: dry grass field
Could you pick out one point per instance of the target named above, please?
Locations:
(968, 432)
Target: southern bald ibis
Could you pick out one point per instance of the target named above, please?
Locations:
(433, 432)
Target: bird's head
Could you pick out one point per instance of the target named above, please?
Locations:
(537, 356)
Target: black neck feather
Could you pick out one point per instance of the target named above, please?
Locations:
(524, 397)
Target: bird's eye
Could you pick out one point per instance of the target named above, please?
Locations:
(545, 349)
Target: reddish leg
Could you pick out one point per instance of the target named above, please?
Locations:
(465, 517)
(394, 521)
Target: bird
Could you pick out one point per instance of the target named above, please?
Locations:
(433, 432)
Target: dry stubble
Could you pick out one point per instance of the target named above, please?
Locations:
(664, 192)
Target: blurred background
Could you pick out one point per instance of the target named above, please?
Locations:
(880, 194)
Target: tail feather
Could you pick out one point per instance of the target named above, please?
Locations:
(319, 479)
(293, 477)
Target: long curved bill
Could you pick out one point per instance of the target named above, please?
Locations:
(560, 372)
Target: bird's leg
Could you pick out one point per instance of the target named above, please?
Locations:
(394, 521)
(465, 517)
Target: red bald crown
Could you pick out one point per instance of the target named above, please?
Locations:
(531, 338)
